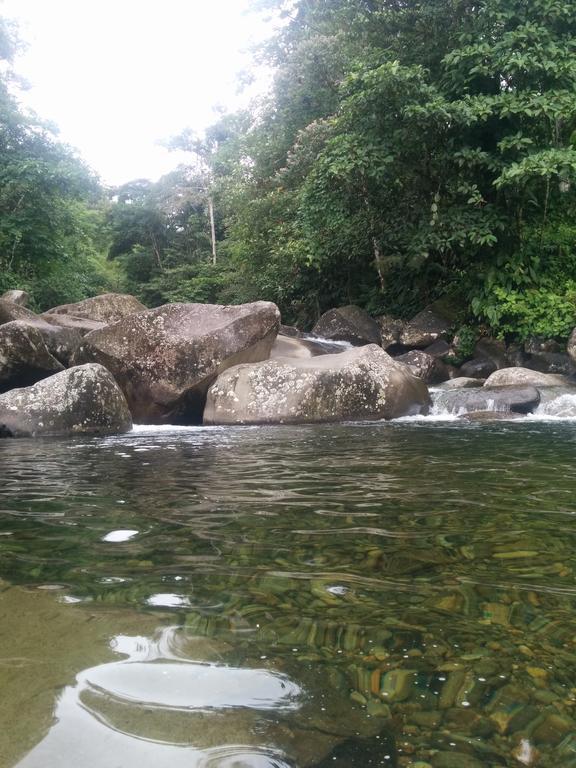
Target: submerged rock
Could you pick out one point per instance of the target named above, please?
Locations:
(24, 357)
(106, 308)
(514, 377)
(348, 324)
(502, 399)
(81, 400)
(358, 384)
(165, 359)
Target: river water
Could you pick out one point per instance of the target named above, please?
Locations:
(390, 594)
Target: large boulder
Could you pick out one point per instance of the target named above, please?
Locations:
(24, 357)
(355, 385)
(350, 324)
(519, 377)
(425, 366)
(79, 401)
(390, 331)
(423, 329)
(463, 382)
(166, 358)
(106, 308)
(478, 368)
(16, 297)
(80, 324)
(61, 342)
(521, 399)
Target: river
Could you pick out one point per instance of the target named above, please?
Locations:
(385, 594)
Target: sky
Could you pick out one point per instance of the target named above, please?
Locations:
(118, 76)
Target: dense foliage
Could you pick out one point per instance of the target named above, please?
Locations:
(51, 216)
(406, 151)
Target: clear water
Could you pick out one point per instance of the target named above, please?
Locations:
(394, 594)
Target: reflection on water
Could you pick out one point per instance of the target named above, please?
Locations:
(391, 594)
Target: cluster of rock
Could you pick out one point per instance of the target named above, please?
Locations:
(94, 366)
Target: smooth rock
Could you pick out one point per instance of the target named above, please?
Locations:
(166, 358)
(106, 308)
(423, 329)
(61, 342)
(24, 357)
(290, 330)
(81, 400)
(358, 384)
(491, 349)
(348, 324)
(520, 399)
(424, 366)
(478, 368)
(481, 416)
(515, 377)
(286, 346)
(463, 382)
(16, 297)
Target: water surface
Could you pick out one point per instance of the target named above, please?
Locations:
(386, 594)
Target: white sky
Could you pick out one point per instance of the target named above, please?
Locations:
(116, 76)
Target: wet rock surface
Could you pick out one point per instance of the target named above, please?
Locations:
(81, 400)
(518, 399)
(165, 359)
(350, 324)
(358, 384)
(24, 357)
(508, 377)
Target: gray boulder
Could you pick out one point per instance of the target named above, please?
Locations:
(462, 382)
(16, 297)
(106, 308)
(24, 357)
(425, 328)
(80, 324)
(390, 331)
(350, 324)
(355, 385)
(515, 377)
(478, 368)
(165, 359)
(520, 399)
(79, 401)
(61, 342)
(424, 366)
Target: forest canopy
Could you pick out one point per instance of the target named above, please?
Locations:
(406, 152)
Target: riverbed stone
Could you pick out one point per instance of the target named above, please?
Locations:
(514, 377)
(358, 384)
(61, 342)
(287, 346)
(350, 323)
(82, 400)
(390, 331)
(423, 329)
(424, 366)
(81, 324)
(463, 382)
(478, 368)
(519, 399)
(166, 358)
(105, 308)
(24, 357)
(16, 297)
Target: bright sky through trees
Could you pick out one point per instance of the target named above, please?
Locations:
(117, 76)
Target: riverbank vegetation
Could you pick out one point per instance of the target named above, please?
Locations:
(406, 153)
